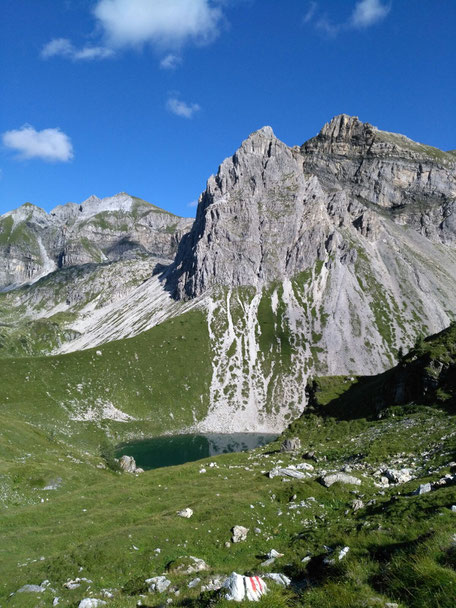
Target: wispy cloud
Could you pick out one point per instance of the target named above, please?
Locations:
(181, 108)
(368, 12)
(311, 10)
(193, 204)
(62, 47)
(365, 14)
(170, 62)
(51, 145)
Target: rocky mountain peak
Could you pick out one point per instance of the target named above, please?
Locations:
(258, 143)
(341, 134)
(273, 211)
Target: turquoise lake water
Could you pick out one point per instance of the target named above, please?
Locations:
(171, 450)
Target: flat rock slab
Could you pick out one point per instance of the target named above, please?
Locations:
(329, 480)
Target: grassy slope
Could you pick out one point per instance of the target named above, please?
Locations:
(400, 545)
(91, 524)
(147, 377)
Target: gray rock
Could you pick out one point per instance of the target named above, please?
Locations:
(280, 579)
(292, 444)
(275, 554)
(194, 583)
(128, 464)
(398, 475)
(286, 472)
(239, 534)
(158, 584)
(329, 480)
(187, 513)
(91, 602)
(31, 589)
(188, 565)
(423, 488)
(304, 466)
(213, 585)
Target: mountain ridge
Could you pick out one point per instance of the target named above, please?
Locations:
(323, 259)
(34, 242)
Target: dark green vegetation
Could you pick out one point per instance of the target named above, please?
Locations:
(425, 375)
(106, 526)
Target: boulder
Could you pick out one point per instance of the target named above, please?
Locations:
(31, 589)
(127, 464)
(423, 488)
(239, 534)
(158, 584)
(357, 504)
(240, 588)
(279, 578)
(328, 480)
(213, 585)
(187, 513)
(288, 472)
(274, 554)
(398, 475)
(293, 444)
(187, 565)
(305, 466)
(91, 602)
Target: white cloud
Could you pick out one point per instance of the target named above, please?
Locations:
(163, 23)
(166, 25)
(193, 204)
(93, 52)
(170, 62)
(58, 46)
(181, 108)
(368, 12)
(51, 145)
(364, 14)
(62, 47)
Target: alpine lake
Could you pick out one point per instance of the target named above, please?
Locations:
(171, 450)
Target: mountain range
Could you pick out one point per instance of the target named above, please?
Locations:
(325, 258)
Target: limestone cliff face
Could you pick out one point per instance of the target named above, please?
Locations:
(34, 243)
(272, 211)
(320, 259)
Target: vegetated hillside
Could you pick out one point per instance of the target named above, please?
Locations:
(151, 384)
(425, 375)
(394, 512)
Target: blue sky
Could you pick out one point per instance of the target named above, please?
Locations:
(149, 96)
